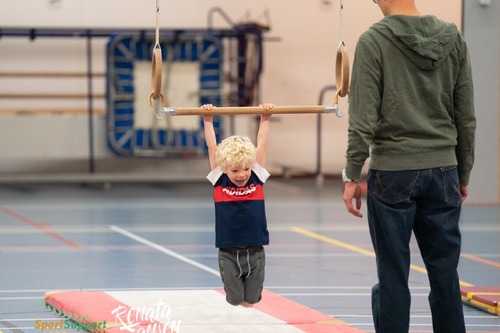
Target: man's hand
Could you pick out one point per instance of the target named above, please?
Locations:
(464, 190)
(352, 190)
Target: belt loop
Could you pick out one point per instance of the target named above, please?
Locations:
(239, 265)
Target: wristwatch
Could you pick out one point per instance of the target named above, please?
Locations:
(345, 179)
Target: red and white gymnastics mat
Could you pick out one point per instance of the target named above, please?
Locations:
(189, 311)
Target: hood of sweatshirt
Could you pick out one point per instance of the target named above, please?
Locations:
(426, 40)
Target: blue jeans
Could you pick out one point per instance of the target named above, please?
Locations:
(427, 203)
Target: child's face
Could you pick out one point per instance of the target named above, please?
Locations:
(239, 174)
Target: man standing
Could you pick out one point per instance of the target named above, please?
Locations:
(412, 111)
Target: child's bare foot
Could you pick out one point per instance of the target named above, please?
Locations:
(246, 304)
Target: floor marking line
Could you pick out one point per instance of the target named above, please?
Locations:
(332, 241)
(354, 248)
(31, 319)
(368, 294)
(41, 227)
(163, 249)
(11, 327)
(481, 260)
(5, 291)
(19, 298)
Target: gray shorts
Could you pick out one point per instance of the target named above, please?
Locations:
(242, 272)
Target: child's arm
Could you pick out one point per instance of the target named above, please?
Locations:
(210, 136)
(263, 135)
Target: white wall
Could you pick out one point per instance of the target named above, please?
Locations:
(296, 67)
(482, 31)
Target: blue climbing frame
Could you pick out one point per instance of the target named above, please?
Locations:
(238, 51)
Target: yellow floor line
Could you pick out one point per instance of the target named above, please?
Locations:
(354, 248)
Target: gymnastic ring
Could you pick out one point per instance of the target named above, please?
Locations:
(156, 72)
(342, 71)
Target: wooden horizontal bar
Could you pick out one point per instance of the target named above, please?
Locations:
(248, 110)
(50, 74)
(48, 96)
(34, 112)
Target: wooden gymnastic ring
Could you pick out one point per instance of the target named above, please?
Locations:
(156, 72)
(342, 71)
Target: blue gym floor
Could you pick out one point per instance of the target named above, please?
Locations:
(161, 236)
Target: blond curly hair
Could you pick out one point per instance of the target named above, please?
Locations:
(234, 151)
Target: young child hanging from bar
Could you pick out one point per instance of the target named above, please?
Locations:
(238, 174)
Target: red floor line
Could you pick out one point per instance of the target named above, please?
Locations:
(41, 227)
(481, 260)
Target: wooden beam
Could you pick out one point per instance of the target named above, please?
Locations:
(49, 74)
(48, 96)
(34, 112)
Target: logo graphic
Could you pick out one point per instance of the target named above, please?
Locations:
(158, 318)
(74, 321)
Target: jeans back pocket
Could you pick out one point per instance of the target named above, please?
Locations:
(393, 186)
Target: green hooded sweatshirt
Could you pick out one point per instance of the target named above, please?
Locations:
(411, 103)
